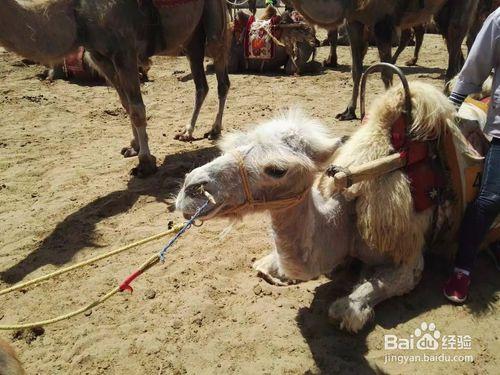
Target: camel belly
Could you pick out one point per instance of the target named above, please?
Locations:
(411, 19)
(178, 25)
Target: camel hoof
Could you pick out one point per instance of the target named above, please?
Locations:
(348, 114)
(184, 137)
(328, 63)
(129, 152)
(352, 315)
(147, 167)
(411, 62)
(212, 135)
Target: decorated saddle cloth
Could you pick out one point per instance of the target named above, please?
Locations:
(259, 39)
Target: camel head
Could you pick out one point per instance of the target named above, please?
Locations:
(279, 160)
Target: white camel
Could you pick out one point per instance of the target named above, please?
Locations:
(276, 166)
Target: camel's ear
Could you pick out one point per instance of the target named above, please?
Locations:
(318, 148)
(232, 141)
(323, 153)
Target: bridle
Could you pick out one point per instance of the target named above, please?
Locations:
(250, 202)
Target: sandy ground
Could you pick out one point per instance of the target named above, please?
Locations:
(66, 195)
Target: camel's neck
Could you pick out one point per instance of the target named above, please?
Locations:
(314, 236)
(329, 14)
(44, 31)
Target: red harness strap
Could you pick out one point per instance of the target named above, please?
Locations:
(425, 178)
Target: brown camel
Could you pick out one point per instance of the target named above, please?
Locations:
(383, 17)
(117, 35)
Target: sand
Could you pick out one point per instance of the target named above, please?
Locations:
(66, 195)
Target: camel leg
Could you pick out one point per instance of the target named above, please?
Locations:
(419, 39)
(403, 43)
(332, 60)
(218, 44)
(195, 53)
(355, 31)
(107, 69)
(223, 85)
(268, 269)
(127, 72)
(454, 21)
(383, 36)
(355, 310)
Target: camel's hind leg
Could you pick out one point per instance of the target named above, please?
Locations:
(354, 311)
(218, 44)
(358, 51)
(383, 35)
(419, 39)
(403, 43)
(195, 52)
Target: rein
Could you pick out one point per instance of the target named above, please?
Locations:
(250, 202)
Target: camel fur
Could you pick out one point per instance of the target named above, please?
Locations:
(373, 221)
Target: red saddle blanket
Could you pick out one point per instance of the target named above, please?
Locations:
(422, 168)
(259, 38)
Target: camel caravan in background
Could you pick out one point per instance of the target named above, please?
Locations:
(398, 185)
(383, 18)
(271, 42)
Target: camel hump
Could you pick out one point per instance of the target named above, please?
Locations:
(386, 215)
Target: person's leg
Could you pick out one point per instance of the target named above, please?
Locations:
(477, 220)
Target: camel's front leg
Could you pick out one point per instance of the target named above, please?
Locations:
(358, 50)
(354, 311)
(127, 75)
(268, 268)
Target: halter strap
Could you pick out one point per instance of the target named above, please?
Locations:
(250, 202)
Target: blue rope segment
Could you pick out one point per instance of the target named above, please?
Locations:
(186, 226)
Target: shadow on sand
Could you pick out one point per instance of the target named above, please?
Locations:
(76, 231)
(335, 351)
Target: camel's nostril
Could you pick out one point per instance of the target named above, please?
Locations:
(195, 190)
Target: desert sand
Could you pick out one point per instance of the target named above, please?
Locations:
(66, 195)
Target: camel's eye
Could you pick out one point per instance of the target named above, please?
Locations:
(275, 172)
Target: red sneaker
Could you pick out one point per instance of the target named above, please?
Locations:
(457, 287)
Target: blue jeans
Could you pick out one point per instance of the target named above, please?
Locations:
(480, 213)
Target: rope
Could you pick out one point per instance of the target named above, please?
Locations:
(124, 286)
(235, 3)
(38, 280)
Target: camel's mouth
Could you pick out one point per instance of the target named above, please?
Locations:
(207, 213)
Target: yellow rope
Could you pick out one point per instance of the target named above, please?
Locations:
(175, 229)
(145, 266)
